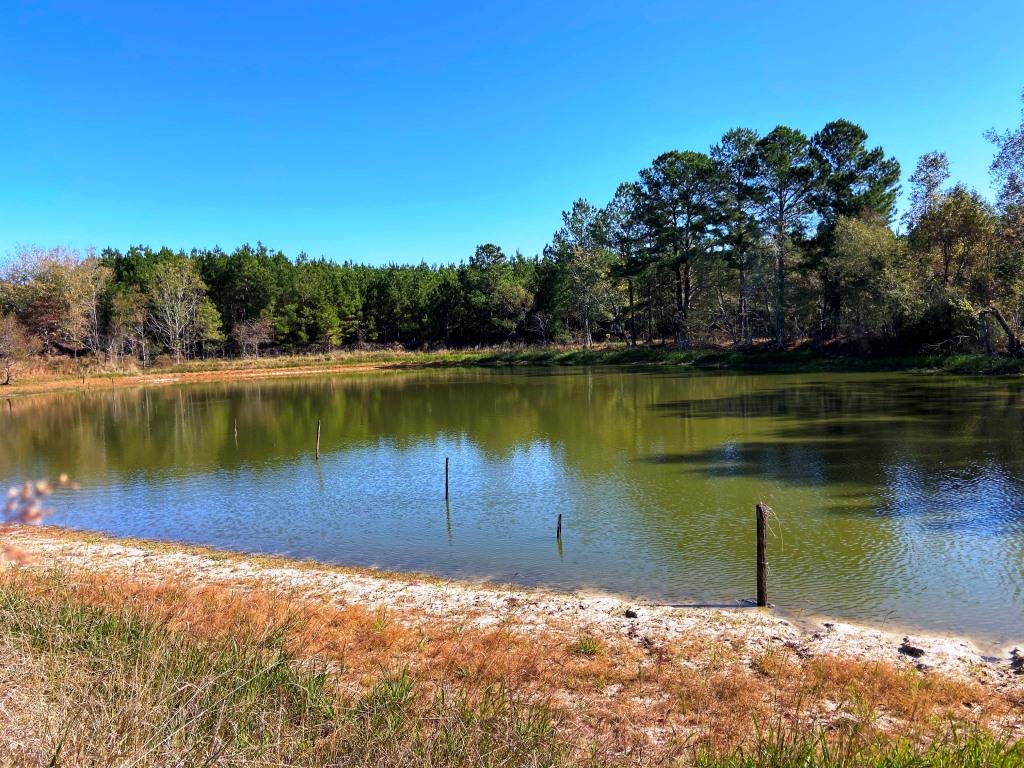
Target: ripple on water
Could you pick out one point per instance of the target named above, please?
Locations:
(896, 497)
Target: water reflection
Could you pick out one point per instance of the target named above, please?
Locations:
(897, 495)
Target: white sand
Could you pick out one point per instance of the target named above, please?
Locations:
(415, 598)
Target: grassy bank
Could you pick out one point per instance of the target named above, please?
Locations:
(65, 373)
(106, 685)
(147, 666)
(118, 684)
(788, 361)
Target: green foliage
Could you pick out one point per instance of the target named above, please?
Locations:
(867, 267)
(588, 645)
(590, 293)
(782, 749)
(762, 240)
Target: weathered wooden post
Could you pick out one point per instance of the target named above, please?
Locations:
(446, 478)
(558, 529)
(318, 439)
(236, 430)
(762, 561)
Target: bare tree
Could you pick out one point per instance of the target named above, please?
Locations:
(91, 279)
(127, 327)
(249, 334)
(16, 345)
(58, 294)
(182, 314)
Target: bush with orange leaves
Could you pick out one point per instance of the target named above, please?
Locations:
(25, 507)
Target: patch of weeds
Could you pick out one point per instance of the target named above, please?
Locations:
(588, 646)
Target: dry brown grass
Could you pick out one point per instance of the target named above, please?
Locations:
(150, 682)
(646, 701)
(56, 368)
(42, 379)
(21, 704)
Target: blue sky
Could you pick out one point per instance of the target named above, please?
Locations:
(385, 131)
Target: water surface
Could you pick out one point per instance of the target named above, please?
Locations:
(899, 498)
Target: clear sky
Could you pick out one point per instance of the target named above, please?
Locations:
(382, 131)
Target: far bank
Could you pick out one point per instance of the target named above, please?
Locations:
(68, 374)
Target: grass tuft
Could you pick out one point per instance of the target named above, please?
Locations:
(778, 749)
(588, 645)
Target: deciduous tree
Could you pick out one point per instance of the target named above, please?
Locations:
(181, 314)
(16, 346)
(854, 181)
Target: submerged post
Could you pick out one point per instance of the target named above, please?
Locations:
(236, 430)
(318, 439)
(446, 478)
(558, 529)
(762, 561)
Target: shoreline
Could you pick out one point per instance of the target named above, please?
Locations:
(423, 597)
(169, 378)
(710, 360)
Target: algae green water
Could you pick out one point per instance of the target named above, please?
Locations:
(898, 498)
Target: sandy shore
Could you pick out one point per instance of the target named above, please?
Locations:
(414, 598)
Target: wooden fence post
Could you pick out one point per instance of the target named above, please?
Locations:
(762, 561)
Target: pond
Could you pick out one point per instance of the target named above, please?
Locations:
(898, 499)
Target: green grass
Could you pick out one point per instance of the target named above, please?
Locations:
(588, 645)
(757, 360)
(105, 687)
(117, 689)
(800, 360)
(779, 750)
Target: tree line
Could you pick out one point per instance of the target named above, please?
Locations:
(759, 241)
